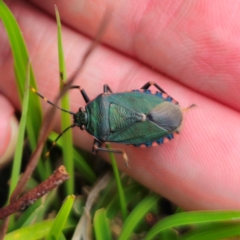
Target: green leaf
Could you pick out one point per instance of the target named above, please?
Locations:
(19, 148)
(222, 232)
(122, 199)
(28, 216)
(137, 214)
(61, 218)
(35, 231)
(189, 218)
(114, 205)
(80, 163)
(21, 60)
(66, 119)
(101, 225)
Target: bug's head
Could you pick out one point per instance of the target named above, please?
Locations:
(80, 118)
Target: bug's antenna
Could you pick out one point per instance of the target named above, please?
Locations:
(55, 141)
(46, 100)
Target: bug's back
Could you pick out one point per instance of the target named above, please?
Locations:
(137, 117)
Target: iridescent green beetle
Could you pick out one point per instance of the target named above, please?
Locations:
(140, 117)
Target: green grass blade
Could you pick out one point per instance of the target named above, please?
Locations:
(137, 214)
(189, 218)
(44, 168)
(31, 214)
(113, 207)
(83, 168)
(35, 212)
(101, 225)
(106, 196)
(21, 59)
(16, 168)
(168, 234)
(61, 218)
(223, 232)
(122, 199)
(66, 119)
(32, 232)
(27, 216)
(79, 162)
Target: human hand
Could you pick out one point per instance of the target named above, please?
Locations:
(194, 44)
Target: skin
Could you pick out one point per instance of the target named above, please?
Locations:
(190, 48)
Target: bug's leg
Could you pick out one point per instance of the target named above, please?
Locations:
(82, 91)
(97, 147)
(186, 109)
(149, 84)
(106, 88)
(164, 94)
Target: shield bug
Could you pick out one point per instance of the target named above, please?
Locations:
(141, 117)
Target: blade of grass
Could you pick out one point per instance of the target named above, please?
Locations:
(223, 232)
(65, 118)
(40, 230)
(44, 167)
(113, 207)
(168, 234)
(187, 218)
(21, 59)
(36, 211)
(31, 214)
(16, 167)
(101, 225)
(27, 216)
(122, 200)
(80, 163)
(106, 196)
(61, 218)
(137, 214)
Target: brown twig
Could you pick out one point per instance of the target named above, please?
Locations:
(57, 178)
